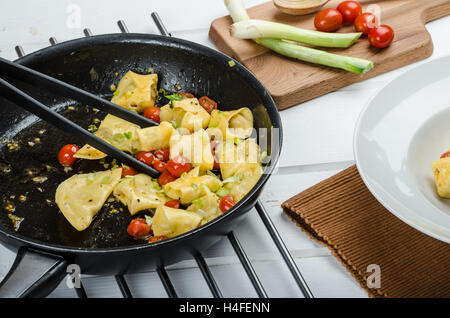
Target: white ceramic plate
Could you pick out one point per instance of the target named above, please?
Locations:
(400, 132)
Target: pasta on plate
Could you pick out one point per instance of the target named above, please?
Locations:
(207, 160)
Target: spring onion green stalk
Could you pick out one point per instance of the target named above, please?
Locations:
(255, 29)
(238, 13)
(348, 63)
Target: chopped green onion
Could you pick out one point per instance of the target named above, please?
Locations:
(90, 177)
(92, 128)
(263, 155)
(118, 138)
(156, 186)
(213, 125)
(116, 93)
(231, 63)
(198, 202)
(222, 192)
(162, 91)
(148, 220)
(128, 135)
(174, 97)
(236, 178)
(255, 29)
(237, 140)
(172, 105)
(106, 180)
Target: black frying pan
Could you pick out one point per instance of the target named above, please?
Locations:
(45, 241)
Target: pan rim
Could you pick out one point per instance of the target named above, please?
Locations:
(177, 43)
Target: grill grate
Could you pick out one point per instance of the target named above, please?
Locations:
(201, 263)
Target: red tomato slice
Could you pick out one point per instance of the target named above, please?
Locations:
(173, 204)
(226, 203)
(178, 165)
(165, 178)
(128, 171)
(446, 155)
(138, 228)
(159, 165)
(65, 155)
(207, 103)
(162, 154)
(152, 113)
(146, 157)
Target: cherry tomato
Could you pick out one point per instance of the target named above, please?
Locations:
(365, 22)
(328, 20)
(207, 103)
(145, 156)
(173, 204)
(152, 113)
(178, 165)
(349, 10)
(381, 36)
(65, 155)
(165, 178)
(157, 238)
(186, 95)
(138, 228)
(159, 165)
(226, 203)
(446, 155)
(128, 171)
(213, 150)
(162, 154)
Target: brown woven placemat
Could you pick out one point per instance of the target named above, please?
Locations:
(342, 214)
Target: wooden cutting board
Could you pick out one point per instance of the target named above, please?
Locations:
(291, 82)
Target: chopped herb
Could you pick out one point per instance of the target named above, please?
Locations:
(162, 91)
(92, 128)
(219, 112)
(174, 97)
(148, 220)
(116, 93)
(213, 125)
(198, 202)
(237, 140)
(174, 124)
(172, 104)
(236, 178)
(119, 138)
(106, 180)
(156, 186)
(263, 155)
(128, 135)
(90, 177)
(222, 192)
(115, 167)
(231, 63)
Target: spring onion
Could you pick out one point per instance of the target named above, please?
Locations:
(255, 29)
(238, 13)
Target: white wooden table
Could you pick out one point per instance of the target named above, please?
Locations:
(317, 144)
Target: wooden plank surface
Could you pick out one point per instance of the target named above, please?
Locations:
(291, 82)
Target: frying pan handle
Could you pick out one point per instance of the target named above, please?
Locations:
(33, 274)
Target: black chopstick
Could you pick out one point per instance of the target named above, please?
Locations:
(36, 78)
(25, 101)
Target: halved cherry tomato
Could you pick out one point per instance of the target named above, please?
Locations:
(365, 22)
(226, 203)
(128, 171)
(159, 165)
(145, 156)
(178, 165)
(157, 238)
(328, 20)
(186, 95)
(349, 10)
(162, 154)
(446, 155)
(173, 204)
(138, 228)
(65, 155)
(381, 36)
(152, 113)
(213, 150)
(207, 103)
(165, 178)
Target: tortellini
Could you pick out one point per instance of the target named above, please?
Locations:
(171, 222)
(232, 157)
(116, 131)
(81, 196)
(243, 181)
(225, 125)
(139, 193)
(207, 207)
(186, 113)
(136, 92)
(441, 170)
(192, 186)
(153, 138)
(196, 148)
